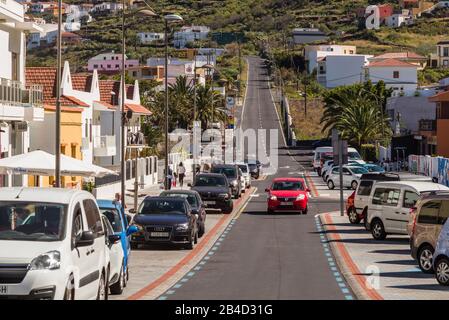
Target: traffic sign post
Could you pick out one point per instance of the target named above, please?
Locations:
(340, 153)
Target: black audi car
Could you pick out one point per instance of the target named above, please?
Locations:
(233, 175)
(254, 168)
(168, 220)
(194, 199)
(214, 190)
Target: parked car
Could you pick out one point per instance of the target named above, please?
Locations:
(198, 207)
(245, 173)
(165, 220)
(426, 221)
(326, 172)
(214, 190)
(390, 204)
(59, 253)
(119, 221)
(357, 203)
(441, 255)
(115, 258)
(326, 167)
(351, 177)
(232, 173)
(374, 168)
(288, 194)
(322, 154)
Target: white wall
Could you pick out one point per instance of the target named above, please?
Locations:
(407, 81)
(344, 70)
(5, 54)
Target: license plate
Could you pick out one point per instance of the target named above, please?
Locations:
(159, 234)
(209, 202)
(3, 290)
(286, 203)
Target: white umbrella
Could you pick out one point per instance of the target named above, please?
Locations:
(43, 164)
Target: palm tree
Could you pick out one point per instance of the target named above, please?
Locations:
(209, 106)
(358, 113)
(181, 101)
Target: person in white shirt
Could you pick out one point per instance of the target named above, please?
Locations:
(181, 173)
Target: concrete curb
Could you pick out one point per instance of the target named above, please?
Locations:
(358, 290)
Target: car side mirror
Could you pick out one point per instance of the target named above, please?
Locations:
(132, 229)
(196, 216)
(128, 218)
(114, 238)
(133, 211)
(267, 190)
(195, 211)
(87, 239)
(189, 184)
(307, 190)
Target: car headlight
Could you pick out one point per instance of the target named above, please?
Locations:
(273, 197)
(234, 183)
(182, 227)
(300, 197)
(50, 260)
(224, 195)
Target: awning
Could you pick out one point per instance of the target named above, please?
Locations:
(43, 164)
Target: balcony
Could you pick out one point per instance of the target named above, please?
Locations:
(20, 103)
(104, 146)
(11, 11)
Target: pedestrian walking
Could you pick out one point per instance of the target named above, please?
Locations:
(181, 173)
(169, 178)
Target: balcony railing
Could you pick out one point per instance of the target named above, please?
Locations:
(104, 146)
(14, 93)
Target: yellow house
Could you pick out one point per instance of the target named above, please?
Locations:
(42, 134)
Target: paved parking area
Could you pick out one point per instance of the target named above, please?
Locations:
(375, 270)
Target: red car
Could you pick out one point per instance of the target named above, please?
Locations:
(288, 194)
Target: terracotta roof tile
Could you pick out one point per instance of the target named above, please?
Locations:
(440, 97)
(108, 86)
(399, 55)
(137, 108)
(390, 63)
(82, 82)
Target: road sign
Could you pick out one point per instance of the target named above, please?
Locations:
(230, 102)
(337, 148)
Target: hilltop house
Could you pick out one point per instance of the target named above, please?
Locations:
(441, 58)
(406, 56)
(314, 52)
(307, 35)
(189, 34)
(110, 63)
(400, 75)
(149, 37)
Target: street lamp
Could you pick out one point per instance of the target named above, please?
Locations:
(170, 18)
(146, 12)
(58, 101)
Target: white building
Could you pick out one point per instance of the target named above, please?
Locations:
(340, 70)
(190, 34)
(47, 35)
(399, 75)
(397, 20)
(313, 53)
(18, 106)
(149, 37)
(176, 67)
(107, 7)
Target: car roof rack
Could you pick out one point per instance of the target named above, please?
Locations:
(434, 192)
(387, 176)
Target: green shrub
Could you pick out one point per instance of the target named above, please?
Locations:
(368, 152)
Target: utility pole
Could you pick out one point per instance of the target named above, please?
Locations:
(166, 106)
(305, 99)
(58, 101)
(122, 114)
(240, 70)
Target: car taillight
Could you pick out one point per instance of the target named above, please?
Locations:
(413, 214)
(351, 199)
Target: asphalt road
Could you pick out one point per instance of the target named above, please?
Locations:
(265, 256)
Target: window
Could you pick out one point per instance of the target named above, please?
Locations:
(77, 226)
(93, 217)
(386, 197)
(429, 212)
(444, 212)
(113, 215)
(446, 52)
(410, 199)
(346, 172)
(396, 74)
(365, 188)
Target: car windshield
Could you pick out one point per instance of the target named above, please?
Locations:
(375, 169)
(210, 181)
(113, 216)
(162, 206)
(191, 199)
(31, 221)
(358, 170)
(228, 172)
(243, 167)
(288, 185)
(354, 156)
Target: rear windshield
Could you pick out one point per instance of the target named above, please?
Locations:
(243, 167)
(365, 188)
(228, 172)
(191, 198)
(162, 206)
(210, 181)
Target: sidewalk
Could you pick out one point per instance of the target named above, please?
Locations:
(378, 269)
(154, 190)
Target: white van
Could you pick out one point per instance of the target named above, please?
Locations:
(390, 205)
(52, 245)
(322, 154)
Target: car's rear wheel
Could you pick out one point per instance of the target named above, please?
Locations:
(191, 243)
(442, 271)
(378, 230)
(353, 216)
(202, 230)
(117, 288)
(69, 293)
(425, 258)
(102, 288)
(331, 185)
